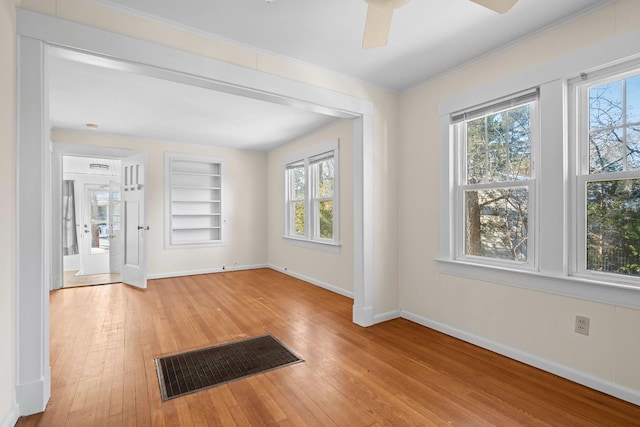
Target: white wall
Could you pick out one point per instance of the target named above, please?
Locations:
(537, 323)
(385, 119)
(245, 212)
(8, 411)
(330, 269)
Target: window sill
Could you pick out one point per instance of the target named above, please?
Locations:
(572, 286)
(318, 245)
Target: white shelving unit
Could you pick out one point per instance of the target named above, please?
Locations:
(193, 198)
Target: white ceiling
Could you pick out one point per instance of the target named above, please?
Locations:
(126, 103)
(428, 38)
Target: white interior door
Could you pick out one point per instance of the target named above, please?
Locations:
(133, 221)
(116, 243)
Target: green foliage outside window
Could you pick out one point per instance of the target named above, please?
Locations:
(613, 206)
(498, 150)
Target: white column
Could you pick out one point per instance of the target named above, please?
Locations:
(33, 230)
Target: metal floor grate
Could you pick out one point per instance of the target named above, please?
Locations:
(196, 370)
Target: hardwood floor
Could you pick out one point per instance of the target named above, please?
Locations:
(71, 279)
(104, 340)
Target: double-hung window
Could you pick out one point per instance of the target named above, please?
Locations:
(494, 182)
(608, 176)
(541, 189)
(311, 206)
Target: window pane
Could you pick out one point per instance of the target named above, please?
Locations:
(499, 146)
(633, 148)
(99, 221)
(325, 211)
(297, 213)
(476, 151)
(605, 151)
(633, 99)
(297, 183)
(325, 177)
(613, 226)
(605, 105)
(496, 223)
(519, 138)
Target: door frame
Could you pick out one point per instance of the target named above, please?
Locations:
(38, 36)
(58, 151)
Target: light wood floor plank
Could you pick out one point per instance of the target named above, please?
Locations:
(104, 340)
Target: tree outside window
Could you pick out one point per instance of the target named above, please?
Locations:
(496, 179)
(311, 197)
(612, 177)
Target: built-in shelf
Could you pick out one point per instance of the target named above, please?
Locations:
(193, 188)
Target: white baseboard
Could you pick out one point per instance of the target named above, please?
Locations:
(11, 418)
(204, 271)
(383, 317)
(32, 397)
(319, 283)
(588, 380)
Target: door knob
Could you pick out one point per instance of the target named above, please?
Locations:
(142, 227)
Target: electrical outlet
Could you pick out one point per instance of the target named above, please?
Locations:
(582, 325)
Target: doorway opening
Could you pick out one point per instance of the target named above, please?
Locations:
(91, 221)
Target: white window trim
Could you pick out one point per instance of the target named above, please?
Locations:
(308, 241)
(555, 271)
(531, 184)
(578, 123)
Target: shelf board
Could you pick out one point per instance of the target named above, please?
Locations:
(195, 214)
(209, 242)
(194, 187)
(195, 228)
(195, 201)
(195, 173)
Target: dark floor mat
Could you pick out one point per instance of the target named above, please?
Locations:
(196, 370)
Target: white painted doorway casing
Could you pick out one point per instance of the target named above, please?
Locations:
(37, 34)
(116, 246)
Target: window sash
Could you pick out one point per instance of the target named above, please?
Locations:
(459, 136)
(584, 176)
(311, 198)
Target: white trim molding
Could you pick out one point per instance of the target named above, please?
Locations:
(223, 269)
(555, 368)
(319, 283)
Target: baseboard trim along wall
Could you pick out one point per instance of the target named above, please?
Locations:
(302, 277)
(389, 315)
(11, 418)
(571, 374)
(319, 283)
(205, 271)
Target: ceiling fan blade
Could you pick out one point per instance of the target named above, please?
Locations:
(500, 6)
(376, 28)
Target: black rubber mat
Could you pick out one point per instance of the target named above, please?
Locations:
(196, 370)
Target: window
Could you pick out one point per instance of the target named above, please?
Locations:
(311, 211)
(495, 180)
(608, 175)
(562, 189)
(193, 200)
